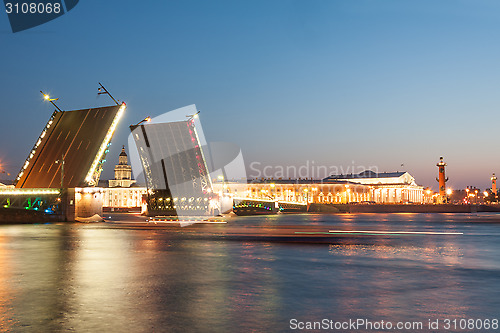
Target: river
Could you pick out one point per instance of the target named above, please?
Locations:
(118, 277)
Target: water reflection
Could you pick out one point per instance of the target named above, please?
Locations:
(6, 293)
(107, 278)
(34, 270)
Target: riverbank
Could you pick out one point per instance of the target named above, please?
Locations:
(402, 208)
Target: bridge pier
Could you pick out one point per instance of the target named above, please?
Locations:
(49, 205)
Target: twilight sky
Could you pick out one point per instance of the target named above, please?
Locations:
(293, 83)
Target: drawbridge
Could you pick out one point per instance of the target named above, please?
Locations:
(175, 169)
(69, 153)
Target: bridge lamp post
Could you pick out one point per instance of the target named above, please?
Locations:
(145, 120)
(133, 127)
(101, 90)
(62, 170)
(51, 100)
(193, 116)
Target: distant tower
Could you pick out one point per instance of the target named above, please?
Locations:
(442, 180)
(123, 172)
(122, 169)
(494, 184)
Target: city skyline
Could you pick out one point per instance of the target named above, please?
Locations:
(338, 83)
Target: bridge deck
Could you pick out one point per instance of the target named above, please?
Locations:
(76, 135)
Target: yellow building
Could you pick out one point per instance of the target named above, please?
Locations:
(386, 187)
(123, 198)
(368, 186)
(297, 191)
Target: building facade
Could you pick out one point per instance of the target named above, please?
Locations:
(298, 191)
(386, 187)
(365, 187)
(121, 193)
(120, 198)
(174, 166)
(123, 172)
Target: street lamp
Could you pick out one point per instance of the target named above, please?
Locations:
(145, 120)
(62, 169)
(133, 127)
(101, 90)
(193, 116)
(51, 100)
(448, 194)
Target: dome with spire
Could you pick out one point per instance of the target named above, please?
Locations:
(123, 172)
(123, 159)
(123, 153)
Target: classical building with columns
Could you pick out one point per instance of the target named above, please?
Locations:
(367, 186)
(296, 191)
(122, 194)
(386, 187)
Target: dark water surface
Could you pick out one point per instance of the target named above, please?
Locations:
(110, 278)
